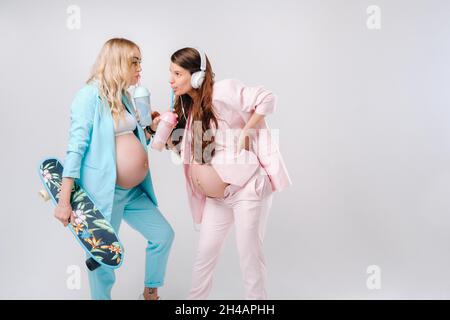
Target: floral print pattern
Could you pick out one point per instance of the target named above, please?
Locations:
(92, 229)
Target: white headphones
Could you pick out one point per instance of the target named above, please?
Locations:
(198, 77)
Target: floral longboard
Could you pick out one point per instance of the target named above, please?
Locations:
(91, 229)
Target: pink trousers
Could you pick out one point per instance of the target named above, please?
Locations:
(247, 208)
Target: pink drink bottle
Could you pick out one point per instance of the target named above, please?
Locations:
(165, 128)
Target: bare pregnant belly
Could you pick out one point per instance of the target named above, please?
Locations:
(206, 180)
(132, 161)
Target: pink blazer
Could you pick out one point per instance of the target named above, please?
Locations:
(234, 104)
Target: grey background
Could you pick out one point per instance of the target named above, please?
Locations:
(363, 118)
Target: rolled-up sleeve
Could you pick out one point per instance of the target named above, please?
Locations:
(244, 98)
(81, 117)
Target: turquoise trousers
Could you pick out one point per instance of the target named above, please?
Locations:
(135, 207)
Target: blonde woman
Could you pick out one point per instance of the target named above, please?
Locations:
(107, 154)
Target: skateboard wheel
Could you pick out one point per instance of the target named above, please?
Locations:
(44, 195)
(92, 264)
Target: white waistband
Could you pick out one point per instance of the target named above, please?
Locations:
(122, 133)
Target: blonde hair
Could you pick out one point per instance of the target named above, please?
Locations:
(111, 71)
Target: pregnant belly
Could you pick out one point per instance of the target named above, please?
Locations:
(206, 180)
(132, 161)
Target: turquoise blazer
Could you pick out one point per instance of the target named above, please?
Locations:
(91, 153)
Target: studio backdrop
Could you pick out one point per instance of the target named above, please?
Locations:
(363, 120)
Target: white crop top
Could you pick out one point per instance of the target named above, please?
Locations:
(124, 126)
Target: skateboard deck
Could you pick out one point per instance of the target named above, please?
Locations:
(91, 229)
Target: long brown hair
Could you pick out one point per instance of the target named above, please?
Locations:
(202, 109)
